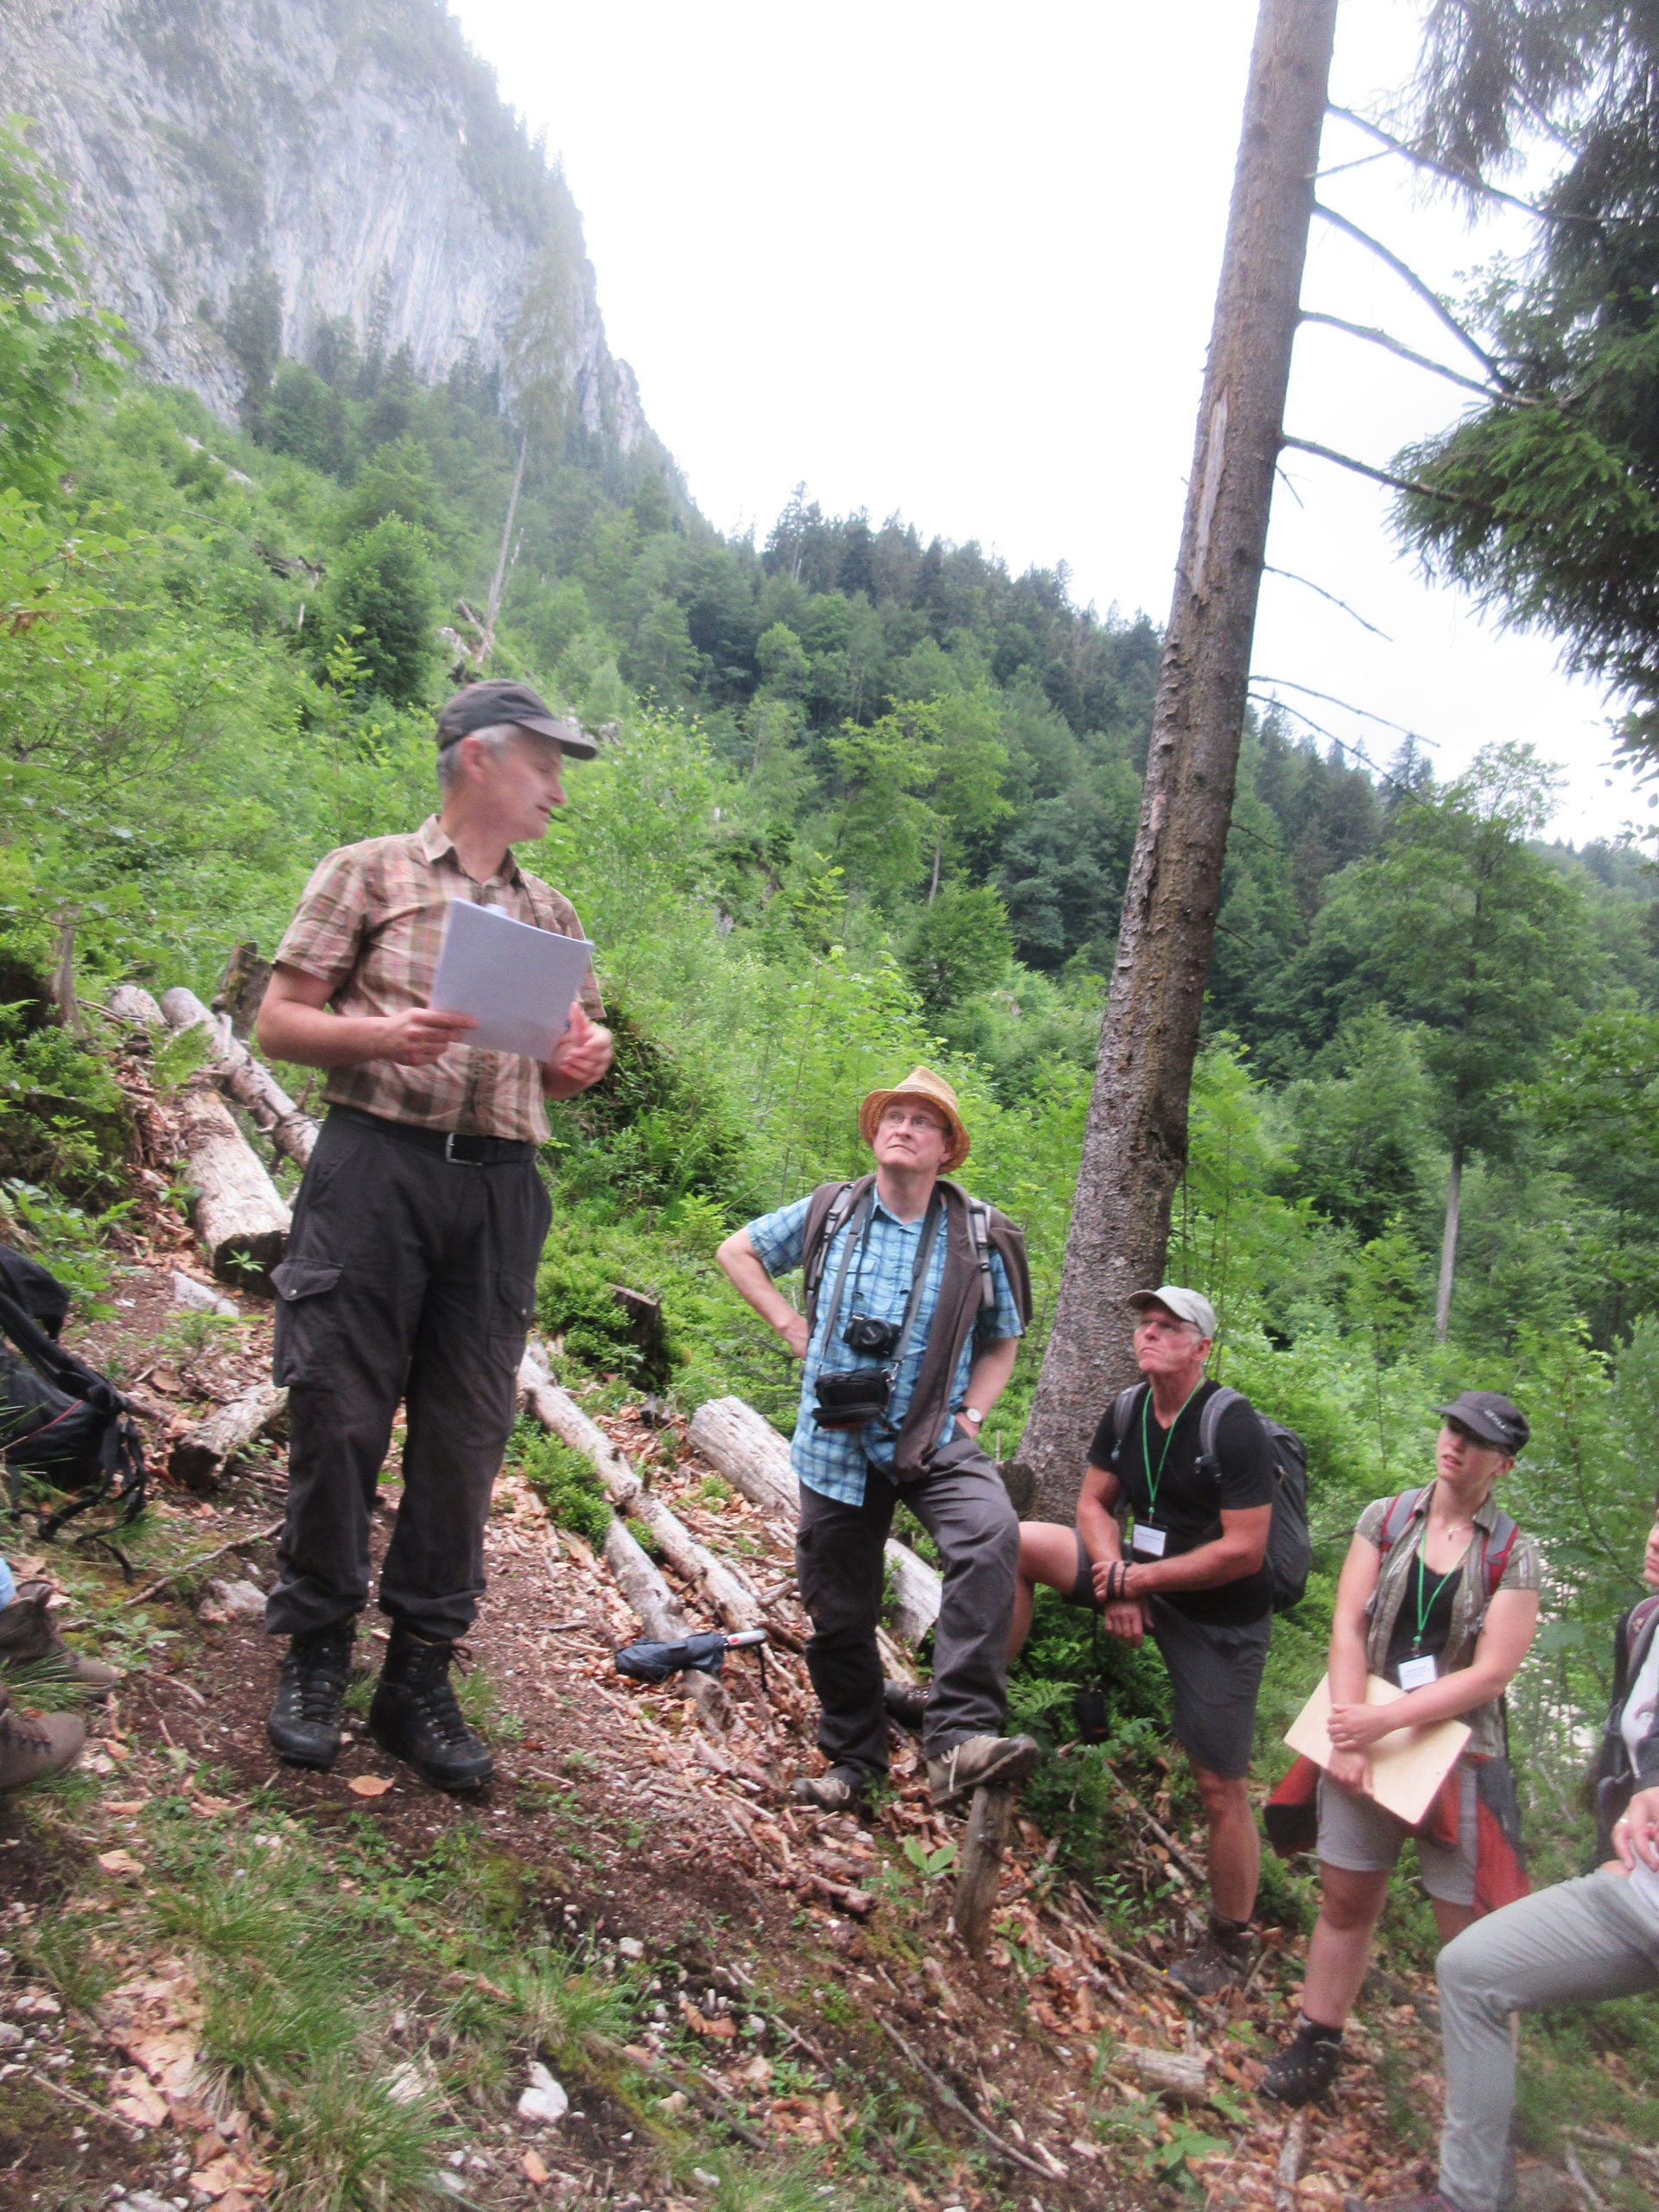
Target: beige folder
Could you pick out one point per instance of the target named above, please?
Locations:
(1407, 1767)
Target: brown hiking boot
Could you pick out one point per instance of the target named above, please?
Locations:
(841, 1790)
(1221, 1961)
(28, 1637)
(33, 1747)
(981, 1762)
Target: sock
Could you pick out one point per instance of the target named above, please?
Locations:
(1315, 2031)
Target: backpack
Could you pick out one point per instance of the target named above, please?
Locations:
(1495, 1548)
(813, 1258)
(59, 1419)
(1289, 1557)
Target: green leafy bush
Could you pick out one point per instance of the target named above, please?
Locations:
(564, 1481)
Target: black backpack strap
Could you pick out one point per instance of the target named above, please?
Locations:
(1387, 1535)
(1123, 1406)
(812, 1260)
(1218, 1404)
(979, 1236)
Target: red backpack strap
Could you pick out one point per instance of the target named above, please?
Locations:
(1389, 1533)
(1495, 1549)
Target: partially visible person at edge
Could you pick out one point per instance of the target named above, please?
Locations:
(1578, 1943)
(411, 1271)
(1439, 1595)
(1195, 1577)
(34, 1746)
(888, 1255)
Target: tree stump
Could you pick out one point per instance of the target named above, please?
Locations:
(989, 1818)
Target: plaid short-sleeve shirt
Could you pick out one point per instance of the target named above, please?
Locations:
(370, 925)
(833, 1461)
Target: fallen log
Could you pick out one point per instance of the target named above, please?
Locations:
(730, 1595)
(253, 1087)
(1182, 2074)
(1288, 2171)
(749, 1453)
(239, 1218)
(200, 1455)
(132, 1003)
(663, 1621)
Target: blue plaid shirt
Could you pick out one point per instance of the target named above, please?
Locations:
(833, 1461)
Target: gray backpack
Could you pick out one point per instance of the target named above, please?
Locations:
(1290, 1545)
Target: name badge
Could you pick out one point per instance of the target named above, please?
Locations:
(1418, 1674)
(1148, 1541)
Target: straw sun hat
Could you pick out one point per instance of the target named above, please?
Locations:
(933, 1090)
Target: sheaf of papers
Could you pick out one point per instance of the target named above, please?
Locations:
(517, 981)
(1407, 1767)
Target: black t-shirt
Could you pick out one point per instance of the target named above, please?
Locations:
(1405, 1642)
(1190, 1504)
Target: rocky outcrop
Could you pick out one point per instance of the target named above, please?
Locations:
(355, 149)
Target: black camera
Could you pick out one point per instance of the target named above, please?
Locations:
(875, 1339)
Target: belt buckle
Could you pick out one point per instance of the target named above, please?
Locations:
(449, 1152)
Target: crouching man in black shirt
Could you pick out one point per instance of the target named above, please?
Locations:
(1195, 1576)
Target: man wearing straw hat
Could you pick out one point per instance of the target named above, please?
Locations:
(916, 1298)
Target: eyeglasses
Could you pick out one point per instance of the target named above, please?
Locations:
(897, 1117)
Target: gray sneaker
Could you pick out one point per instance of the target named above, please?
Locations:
(981, 1762)
(841, 1790)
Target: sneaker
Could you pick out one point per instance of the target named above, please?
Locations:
(28, 1637)
(981, 1762)
(1305, 2070)
(303, 1724)
(906, 1703)
(414, 1715)
(33, 1747)
(841, 1790)
(1221, 1961)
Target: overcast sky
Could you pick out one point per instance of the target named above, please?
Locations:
(958, 264)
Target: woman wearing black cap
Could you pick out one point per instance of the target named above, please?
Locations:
(1439, 1595)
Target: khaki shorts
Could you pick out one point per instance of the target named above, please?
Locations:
(1357, 1835)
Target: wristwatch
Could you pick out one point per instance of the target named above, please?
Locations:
(972, 1413)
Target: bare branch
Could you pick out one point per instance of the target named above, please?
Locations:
(1429, 297)
(1409, 354)
(1474, 184)
(1364, 713)
(1342, 744)
(1290, 576)
(1382, 475)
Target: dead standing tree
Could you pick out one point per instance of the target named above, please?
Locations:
(1135, 1144)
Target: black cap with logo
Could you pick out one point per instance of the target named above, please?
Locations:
(1490, 1418)
(485, 706)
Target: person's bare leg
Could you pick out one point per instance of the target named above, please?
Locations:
(1235, 1845)
(1048, 1553)
(1349, 1903)
(1453, 1919)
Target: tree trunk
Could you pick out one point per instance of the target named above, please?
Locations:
(252, 1085)
(236, 1213)
(1449, 1246)
(201, 1454)
(486, 643)
(938, 848)
(738, 1443)
(1134, 1146)
(663, 1622)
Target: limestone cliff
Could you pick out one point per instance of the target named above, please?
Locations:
(354, 148)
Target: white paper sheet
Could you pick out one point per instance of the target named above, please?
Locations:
(517, 981)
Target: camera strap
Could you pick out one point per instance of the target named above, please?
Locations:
(858, 1235)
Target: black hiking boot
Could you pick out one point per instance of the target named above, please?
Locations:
(304, 1722)
(414, 1716)
(906, 1703)
(1221, 1961)
(1304, 2069)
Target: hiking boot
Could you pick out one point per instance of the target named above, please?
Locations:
(28, 1637)
(1221, 1961)
(1305, 2070)
(304, 1722)
(980, 1763)
(906, 1703)
(414, 1716)
(32, 1748)
(841, 1790)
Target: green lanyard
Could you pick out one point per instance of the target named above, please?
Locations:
(1153, 1480)
(1424, 1611)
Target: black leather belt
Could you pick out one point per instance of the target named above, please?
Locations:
(460, 1147)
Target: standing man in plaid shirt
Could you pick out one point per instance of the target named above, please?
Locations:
(410, 1273)
(917, 1298)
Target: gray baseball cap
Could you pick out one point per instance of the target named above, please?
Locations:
(485, 706)
(1490, 1418)
(1186, 1304)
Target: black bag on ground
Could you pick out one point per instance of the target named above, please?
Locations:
(59, 1419)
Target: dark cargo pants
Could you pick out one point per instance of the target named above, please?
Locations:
(841, 1571)
(407, 1276)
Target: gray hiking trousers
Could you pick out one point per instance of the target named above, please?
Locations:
(1574, 1944)
(407, 1277)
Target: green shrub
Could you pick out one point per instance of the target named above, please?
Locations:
(565, 1482)
(62, 1116)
